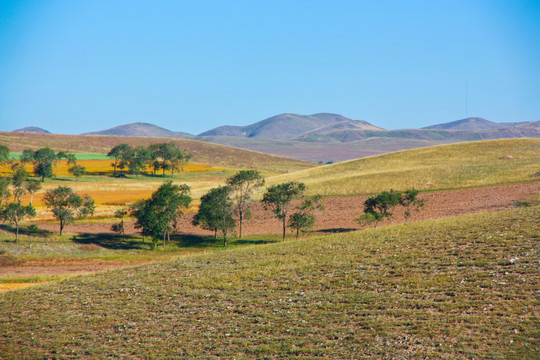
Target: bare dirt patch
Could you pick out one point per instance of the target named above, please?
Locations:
(340, 212)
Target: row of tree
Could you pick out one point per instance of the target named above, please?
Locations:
(162, 156)
(44, 161)
(65, 204)
(222, 208)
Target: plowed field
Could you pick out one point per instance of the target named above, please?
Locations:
(340, 212)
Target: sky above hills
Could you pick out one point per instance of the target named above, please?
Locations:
(79, 66)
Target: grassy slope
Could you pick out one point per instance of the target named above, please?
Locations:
(464, 165)
(437, 289)
(217, 155)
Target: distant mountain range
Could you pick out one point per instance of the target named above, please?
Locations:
(33, 129)
(290, 126)
(331, 137)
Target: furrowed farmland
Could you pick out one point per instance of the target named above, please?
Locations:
(426, 253)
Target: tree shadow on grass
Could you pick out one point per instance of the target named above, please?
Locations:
(336, 230)
(31, 230)
(255, 241)
(190, 240)
(112, 241)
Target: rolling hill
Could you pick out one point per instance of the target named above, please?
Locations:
(326, 137)
(203, 152)
(33, 129)
(287, 126)
(471, 123)
(141, 129)
(471, 164)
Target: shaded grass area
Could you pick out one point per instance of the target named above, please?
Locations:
(445, 167)
(456, 288)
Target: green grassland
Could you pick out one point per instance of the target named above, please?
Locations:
(465, 165)
(457, 288)
(79, 156)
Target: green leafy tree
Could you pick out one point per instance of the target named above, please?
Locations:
(4, 154)
(158, 215)
(304, 219)
(32, 186)
(377, 207)
(66, 205)
(145, 218)
(65, 155)
(15, 212)
(410, 201)
(44, 160)
(278, 197)
(167, 156)
(243, 183)
(27, 156)
(121, 155)
(5, 191)
(77, 170)
(180, 159)
(216, 212)
(140, 160)
(18, 179)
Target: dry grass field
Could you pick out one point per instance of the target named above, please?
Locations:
(465, 165)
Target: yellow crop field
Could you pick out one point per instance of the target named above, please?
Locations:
(105, 167)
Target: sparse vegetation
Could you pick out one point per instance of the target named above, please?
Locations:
(437, 289)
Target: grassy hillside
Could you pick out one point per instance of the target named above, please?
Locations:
(463, 165)
(203, 152)
(456, 288)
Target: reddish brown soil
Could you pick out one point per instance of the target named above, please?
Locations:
(340, 212)
(339, 215)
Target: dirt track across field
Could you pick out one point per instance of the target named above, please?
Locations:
(340, 212)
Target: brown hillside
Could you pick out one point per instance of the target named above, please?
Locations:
(202, 152)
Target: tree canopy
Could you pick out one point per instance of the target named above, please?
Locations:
(242, 184)
(278, 197)
(216, 212)
(66, 205)
(157, 216)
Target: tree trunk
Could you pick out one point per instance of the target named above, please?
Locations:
(17, 233)
(284, 227)
(61, 227)
(297, 231)
(240, 217)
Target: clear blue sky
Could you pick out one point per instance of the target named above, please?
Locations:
(76, 66)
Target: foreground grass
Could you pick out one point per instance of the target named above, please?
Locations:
(456, 288)
(444, 167)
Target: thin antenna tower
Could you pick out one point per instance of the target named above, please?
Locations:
(466, 100)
